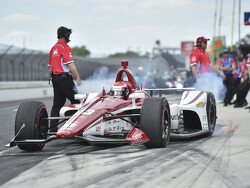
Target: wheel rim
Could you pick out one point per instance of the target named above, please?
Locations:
(212, 116)
(42, 125)
(165, 129)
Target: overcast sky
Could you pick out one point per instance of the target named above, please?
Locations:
(108, 26)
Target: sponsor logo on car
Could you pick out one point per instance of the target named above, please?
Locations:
(137, 136)
(72, 125)
(98, 128)
(200, 104)
(88, 112)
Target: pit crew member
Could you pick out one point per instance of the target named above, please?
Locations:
(62, 69)
(199, 60)
(228, 66)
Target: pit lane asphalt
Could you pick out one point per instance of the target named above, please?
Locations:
(221, 160)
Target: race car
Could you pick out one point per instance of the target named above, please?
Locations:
(124, 115)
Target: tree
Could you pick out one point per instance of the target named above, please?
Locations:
(80, 51)
(126, 54)
(130, 54)
(146, 55)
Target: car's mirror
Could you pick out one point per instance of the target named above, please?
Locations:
(80, 96)
(134, 96)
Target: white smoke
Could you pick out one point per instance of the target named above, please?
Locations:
(103, 78)
(212, 83)
(100, 79)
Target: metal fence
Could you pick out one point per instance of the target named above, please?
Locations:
(19, 64)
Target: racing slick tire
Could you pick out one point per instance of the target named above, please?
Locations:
(155, 121)
(211, 113)
(32, 114)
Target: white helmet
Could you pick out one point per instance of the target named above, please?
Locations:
(119, 90)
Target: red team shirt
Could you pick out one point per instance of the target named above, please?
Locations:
(241, 70)
(200, 58)
(248, 61)
(59, 58)
(248, 64)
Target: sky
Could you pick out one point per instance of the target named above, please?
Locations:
(109, 26)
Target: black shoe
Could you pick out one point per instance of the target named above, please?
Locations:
(225, 104)
(240, 105)
(237, 105)
(244, 104)
(234, 102)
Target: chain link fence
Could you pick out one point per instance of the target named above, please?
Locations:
(21, 64)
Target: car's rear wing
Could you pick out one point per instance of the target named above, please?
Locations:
(160, 90)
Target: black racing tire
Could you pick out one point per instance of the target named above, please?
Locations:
(155, 121)
(32, 114)
(211, 113)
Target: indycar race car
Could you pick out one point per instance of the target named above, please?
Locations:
(124, 115)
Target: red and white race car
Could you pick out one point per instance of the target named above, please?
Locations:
(126, 114)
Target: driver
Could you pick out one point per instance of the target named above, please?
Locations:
(120, 90)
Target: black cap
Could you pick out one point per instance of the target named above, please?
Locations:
(226, 51)
(63, 32)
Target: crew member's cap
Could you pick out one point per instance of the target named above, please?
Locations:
(64, 32)
(226, 51)
(199, 40)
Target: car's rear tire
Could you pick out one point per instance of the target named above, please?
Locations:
(211, 113)
(32, 114)
(155, 121)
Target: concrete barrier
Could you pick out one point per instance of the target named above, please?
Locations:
(23, 90)
(11, 91)
(23, 84)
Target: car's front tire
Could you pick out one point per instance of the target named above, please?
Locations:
(155, 121)
(211, 113)
(33, 114)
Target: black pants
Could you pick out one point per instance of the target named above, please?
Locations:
(236, 84)
(63, 89)
(228, 82)
(242, 92)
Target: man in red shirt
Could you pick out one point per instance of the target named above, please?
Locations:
(62, 69)
(248, 66)
(243, 87)
(199, 59)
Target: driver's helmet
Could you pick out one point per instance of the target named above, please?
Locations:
(119, 90)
